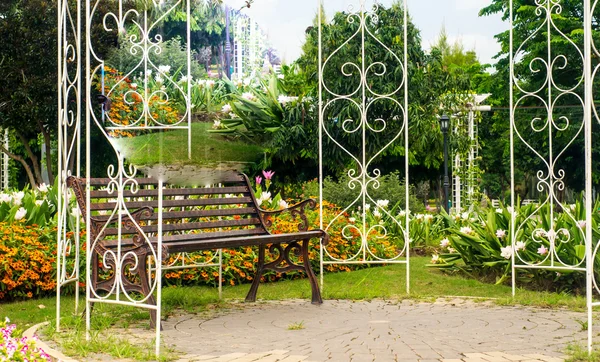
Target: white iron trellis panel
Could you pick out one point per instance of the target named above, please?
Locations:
(69, 145)
(4, 159)
(143, 43)
(551, 177)
(361, 178)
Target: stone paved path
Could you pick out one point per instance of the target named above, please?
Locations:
(450, 331)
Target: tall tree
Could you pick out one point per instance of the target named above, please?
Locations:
(28, 79)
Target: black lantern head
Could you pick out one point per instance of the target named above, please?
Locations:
(444, 123)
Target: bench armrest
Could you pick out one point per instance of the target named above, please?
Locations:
(297, 210)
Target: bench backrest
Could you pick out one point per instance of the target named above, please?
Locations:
(227, 210)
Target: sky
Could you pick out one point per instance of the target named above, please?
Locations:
(286, 20)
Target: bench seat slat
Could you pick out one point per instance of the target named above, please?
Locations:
(196, 236)
(152, 181)
(104, 194)
(186, 226)
(169, 215)
(132, 205)
(234, 242)
(229, 239)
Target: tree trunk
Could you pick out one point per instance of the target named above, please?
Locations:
(48, 149)
(22, 161)
(221, 61)
(34, 159)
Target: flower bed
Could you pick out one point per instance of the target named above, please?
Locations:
(19, 349)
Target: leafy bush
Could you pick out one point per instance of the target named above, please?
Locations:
(390, 188)
(19, 349)
(27, 260)
(30, 207)
(481, 243)
(172, 53)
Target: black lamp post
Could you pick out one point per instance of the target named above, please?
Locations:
(445, 126)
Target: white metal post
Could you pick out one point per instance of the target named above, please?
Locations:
(589, 103)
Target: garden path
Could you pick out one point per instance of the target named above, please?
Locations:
(451, 330)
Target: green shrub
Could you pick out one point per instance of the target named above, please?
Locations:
(390, 188)
(172, 53)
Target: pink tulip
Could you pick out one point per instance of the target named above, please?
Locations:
(258, 180)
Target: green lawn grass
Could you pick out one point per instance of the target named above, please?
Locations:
(170, 147)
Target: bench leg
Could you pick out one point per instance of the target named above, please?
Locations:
(316, 292)
(251, 297)
(284, 257)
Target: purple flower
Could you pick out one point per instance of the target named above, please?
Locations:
(258, 180)
(268, 174)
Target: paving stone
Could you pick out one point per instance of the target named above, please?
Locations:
(543, 357)
(342, 330)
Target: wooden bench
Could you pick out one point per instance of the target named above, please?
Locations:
(194, 219)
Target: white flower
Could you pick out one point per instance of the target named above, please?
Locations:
(551, 234)
(232, 115)
(43, 188)
(17, 197)
(499, 211)
(217, 124)
(5, 198)
(428, 217)
(376, 213)
(466, 230)
(451, 250)
(283, 204)
(510, 209)
(581, 224)
(164, 68)
(519, 245)
(247, 81)
(201, 82)
(420, 216)
(210, 83)
(39, 202)
(75, 211)
(249, 96)
(148, 72)
(134, 85)
(542, 250)
(226, 109)
(435, 259)
(465, 216)
(185, 79)
(239, 83)
(283, 99)
(402, 213)
(159, 79)
(540, 233)
(383, 203)
(265, 196)
(500, 233)
(367, 207)
(444, 243)
(352, 219)
(280, 76)
(506, 252)
(21, 213)
(573, 207)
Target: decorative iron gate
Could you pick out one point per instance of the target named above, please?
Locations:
(550, 118)
(346, 113)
